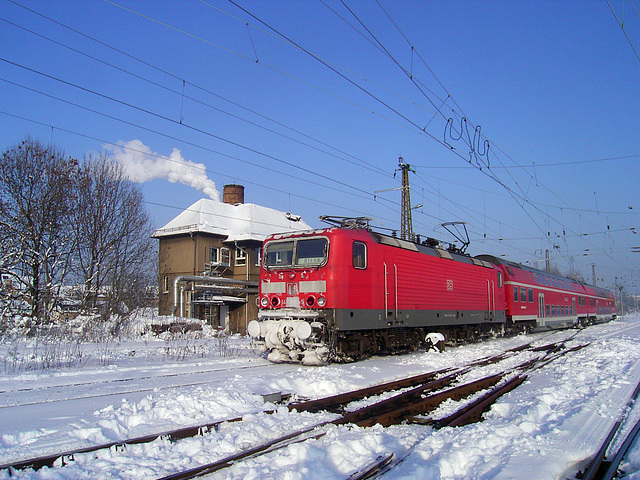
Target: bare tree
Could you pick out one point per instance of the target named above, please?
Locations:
(59, 217)
(114, 248)
(36, 192)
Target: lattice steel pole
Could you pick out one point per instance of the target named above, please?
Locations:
(406, 227)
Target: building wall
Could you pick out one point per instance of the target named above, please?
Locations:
(189, 255)
(175, 257)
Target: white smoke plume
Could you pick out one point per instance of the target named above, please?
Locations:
(142, 165)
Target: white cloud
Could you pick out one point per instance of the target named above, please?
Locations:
(142, 165)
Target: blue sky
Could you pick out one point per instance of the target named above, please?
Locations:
(309, 104)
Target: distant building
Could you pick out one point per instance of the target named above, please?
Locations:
(209, 258)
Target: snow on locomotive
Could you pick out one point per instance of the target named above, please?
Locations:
(347, 292)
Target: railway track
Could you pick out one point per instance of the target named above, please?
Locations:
(402, 407)
(418, 395)
(602, 467)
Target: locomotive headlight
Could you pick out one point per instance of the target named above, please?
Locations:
(264, 301)
(322, 301)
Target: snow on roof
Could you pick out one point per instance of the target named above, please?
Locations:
(245, 221)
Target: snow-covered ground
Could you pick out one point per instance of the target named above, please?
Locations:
(545, 429)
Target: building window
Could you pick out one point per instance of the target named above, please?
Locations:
(219, 257)
(165, 284)
(241, 256)
(359, 255)
(258, 252)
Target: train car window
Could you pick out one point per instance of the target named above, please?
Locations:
(530, 291)
(359, 255)
(523, 294)
(499, 279)
(516, 297)
(278, 254)
(547, 309)
(311, 251)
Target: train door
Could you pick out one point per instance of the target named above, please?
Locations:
(390, 288)
(491, 299)
(541, 308)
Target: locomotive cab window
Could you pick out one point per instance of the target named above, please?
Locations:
(359, 255)
(278, 254)
(304, 252)
(311, 251)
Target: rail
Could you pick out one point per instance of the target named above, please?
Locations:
(425, 393)
(601, 469)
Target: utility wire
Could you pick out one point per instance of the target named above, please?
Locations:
(207, 170)
(199, 130)
(182, 81)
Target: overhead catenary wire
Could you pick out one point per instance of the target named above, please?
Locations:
(515, 196)
(633, 47)
(410, 74)
(417, 54)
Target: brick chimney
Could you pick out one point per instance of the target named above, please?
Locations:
(233, 194)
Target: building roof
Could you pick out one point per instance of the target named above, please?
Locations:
(245, 221)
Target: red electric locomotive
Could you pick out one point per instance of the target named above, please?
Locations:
(346, 292)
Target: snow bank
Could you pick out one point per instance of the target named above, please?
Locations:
(545, 429)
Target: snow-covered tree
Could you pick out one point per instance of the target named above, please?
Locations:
(115, 253)
(36, 202)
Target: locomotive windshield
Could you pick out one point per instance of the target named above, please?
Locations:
(303, 252)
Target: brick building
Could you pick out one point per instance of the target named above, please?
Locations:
(209, 258)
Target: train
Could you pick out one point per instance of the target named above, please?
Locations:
(347, 292)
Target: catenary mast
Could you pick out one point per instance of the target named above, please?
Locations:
(406, 227)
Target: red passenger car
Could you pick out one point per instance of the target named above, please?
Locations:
(536, 298)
